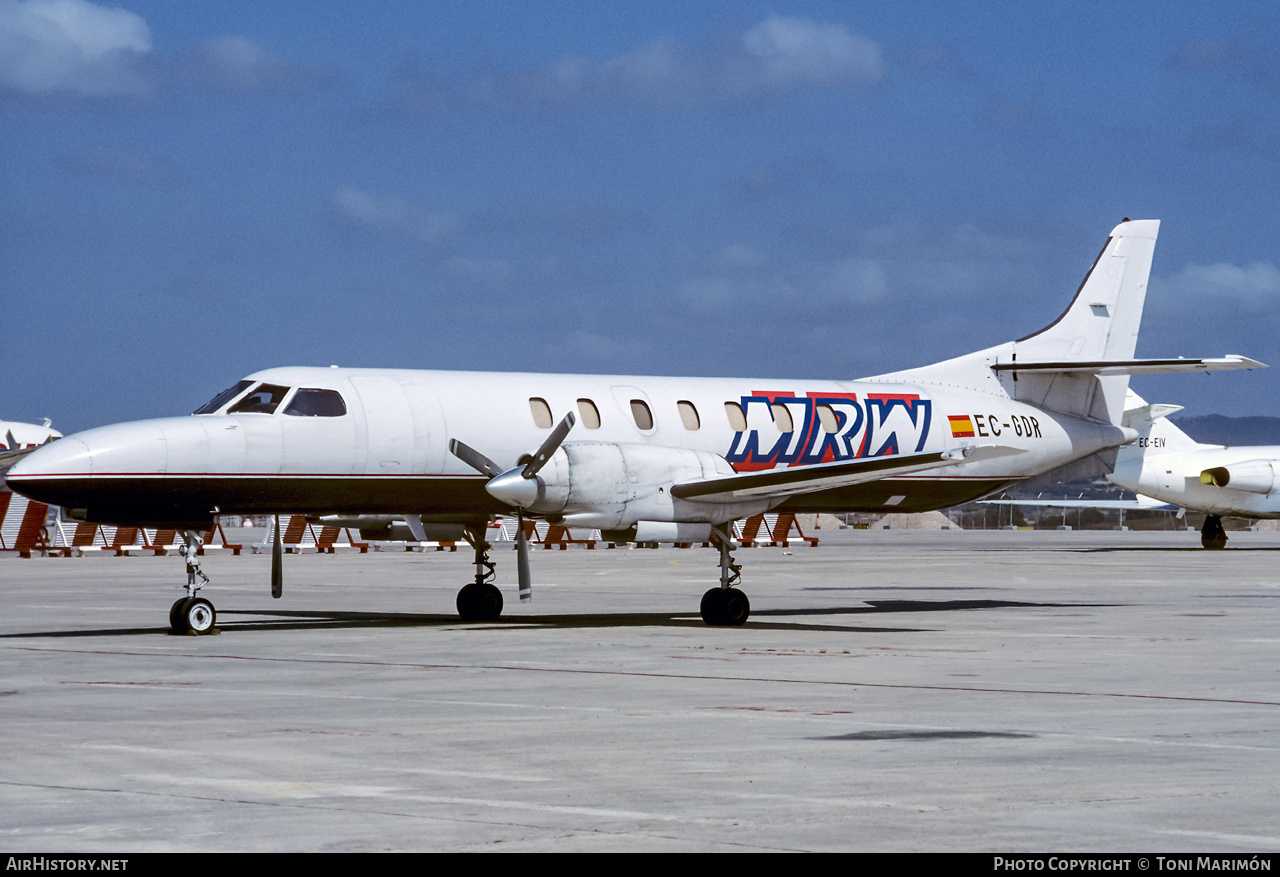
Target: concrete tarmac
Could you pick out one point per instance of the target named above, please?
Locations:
(892, 691)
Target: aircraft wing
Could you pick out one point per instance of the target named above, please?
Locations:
(1132, 366)
(807, 479)
(1142, 502)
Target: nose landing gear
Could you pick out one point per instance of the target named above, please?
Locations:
(192, 615)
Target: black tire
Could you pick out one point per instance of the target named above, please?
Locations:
(1212, 535)
(737, 608)
(178, 617)
(711, 605)
(478, 602)
(725, 607)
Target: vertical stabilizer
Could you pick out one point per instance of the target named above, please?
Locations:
(1156, 435)
(1100, 325)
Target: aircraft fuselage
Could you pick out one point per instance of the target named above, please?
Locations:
(387, 451)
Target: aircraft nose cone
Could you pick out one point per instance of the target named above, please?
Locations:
(514, 489)
(39, 474)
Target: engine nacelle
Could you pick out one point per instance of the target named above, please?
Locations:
(1254, 476)
(613, 485)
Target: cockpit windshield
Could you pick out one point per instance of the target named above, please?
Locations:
(263, 400)
(316, 403)
(222, 398)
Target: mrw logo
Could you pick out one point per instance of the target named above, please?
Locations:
(876, 425)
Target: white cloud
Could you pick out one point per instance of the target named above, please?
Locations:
(798, 52)
(71, 47)
(834, 286)
(393, 215)
(852, 281)
(777, 56)
(236, 63)
(1255, 286)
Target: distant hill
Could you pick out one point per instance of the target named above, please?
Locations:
(1216, 429)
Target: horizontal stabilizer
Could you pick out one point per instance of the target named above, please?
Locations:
(807, 479)
(1131, 366)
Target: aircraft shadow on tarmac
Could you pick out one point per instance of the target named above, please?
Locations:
(249, 621)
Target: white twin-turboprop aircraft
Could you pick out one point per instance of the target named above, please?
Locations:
(640, 458)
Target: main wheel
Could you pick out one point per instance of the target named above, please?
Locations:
(725, 607)
(1213, 535)
(477, 602)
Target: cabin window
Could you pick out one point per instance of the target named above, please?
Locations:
(643, 416)
(541, 412)
(264, 399)
(590, 413)
(782, 417)
(316, 403)
(737, 418)
(827, 417)
(223, 398)
(688, 415)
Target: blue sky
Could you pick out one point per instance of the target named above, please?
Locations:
(190, 192)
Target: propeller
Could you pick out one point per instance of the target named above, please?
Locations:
(522, 561)
(277, 564)
(518, 487)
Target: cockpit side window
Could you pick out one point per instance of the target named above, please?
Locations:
(223, 398)
(264, 399)
(316, 403)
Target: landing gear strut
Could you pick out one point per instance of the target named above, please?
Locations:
(481, 600)
(191, 614)
(726, 606)
(1212, 535)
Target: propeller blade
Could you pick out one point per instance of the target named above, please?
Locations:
(549, 446)
(522, 563)
(277, 566)
(473, 458)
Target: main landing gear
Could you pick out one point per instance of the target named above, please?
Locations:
(726, 606)
(481, 600)
(192, 615)
(1212, 535)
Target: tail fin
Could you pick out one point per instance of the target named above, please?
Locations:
(1100, 325)
(1102, 321)
(1154, 428)
(1156, 435)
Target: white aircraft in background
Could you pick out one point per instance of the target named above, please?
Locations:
(652, 459)
(1167, 464)
(19, 439)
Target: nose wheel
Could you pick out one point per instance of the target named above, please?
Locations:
(192, 616)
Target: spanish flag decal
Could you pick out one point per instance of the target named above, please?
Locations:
(961, 426)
